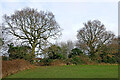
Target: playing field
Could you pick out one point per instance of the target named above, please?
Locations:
(70, 71)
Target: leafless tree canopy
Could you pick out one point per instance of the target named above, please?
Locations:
(66, 47)
(93, 36)
(33, 27)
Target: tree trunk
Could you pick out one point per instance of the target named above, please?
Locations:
(33, 51)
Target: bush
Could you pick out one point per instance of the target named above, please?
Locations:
(107, 58)
(77, 60)
(75, 52)
(4, 58)
(82, 59)
(51, 62)
(13, 66)
(54, 52)
(57, 62)
(46, 61)
(56, 56)
(20, 52)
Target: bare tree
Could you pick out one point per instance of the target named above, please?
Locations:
(33, 27)
(70, 46)
(66, 47)
(7, 39)
(93, 36)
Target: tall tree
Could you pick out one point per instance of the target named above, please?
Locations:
(33, 27)
(93, 36)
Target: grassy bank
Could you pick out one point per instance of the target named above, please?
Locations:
(70, 71)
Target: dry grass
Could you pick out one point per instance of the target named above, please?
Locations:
(57, 63)
(11, 67)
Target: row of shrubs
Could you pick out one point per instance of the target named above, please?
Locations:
(75, 60)
(55, 52)
(13, 66)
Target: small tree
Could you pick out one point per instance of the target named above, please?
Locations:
(75, 52)
(54, 52)
(110, 52)
(92, 37)
(20, 52)
(33, 27)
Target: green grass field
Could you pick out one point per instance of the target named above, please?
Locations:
(70, 71)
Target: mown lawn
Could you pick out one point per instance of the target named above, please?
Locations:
(70, 71)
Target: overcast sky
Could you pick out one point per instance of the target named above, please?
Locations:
(70, 15)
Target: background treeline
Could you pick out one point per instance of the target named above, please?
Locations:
(27, 34)
(63, 52)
